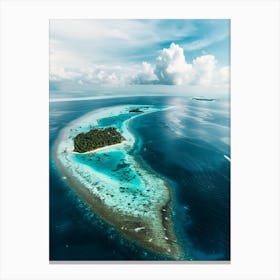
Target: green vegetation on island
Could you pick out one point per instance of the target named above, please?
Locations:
(137, 110)
(97, 138)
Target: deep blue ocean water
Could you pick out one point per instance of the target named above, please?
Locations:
(186, 146)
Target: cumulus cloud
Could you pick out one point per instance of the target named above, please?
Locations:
(170, 68)
(109, 78)
(66, 67)
(146, 75)
(204, 68)
(224, 75)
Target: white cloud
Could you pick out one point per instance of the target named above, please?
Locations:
(65, 65)
(204, 68)
(85, 29)
(101, 75)
(79, 47)
(109, 78)
(120, 31)
(224, 73)
(205, 42)
(146, 75)
(171, 66)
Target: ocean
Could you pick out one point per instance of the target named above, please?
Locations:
(189, 146)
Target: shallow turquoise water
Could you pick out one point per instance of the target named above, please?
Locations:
(114, 165)
(115, 121)
(113, 162)
(186, 145)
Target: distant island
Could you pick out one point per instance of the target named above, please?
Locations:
(137, 110)
(97, 138)
(203, 99)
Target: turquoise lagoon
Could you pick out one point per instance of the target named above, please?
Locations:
(177, 140)
(136, 199)
(113, 174)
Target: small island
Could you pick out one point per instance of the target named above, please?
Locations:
(97, 138)
(202, 99)
(137, 110)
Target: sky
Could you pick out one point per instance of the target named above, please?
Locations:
(90, 53)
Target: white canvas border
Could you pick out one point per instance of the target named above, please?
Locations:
(254, 130)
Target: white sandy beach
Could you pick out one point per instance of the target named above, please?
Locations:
(103, 148)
